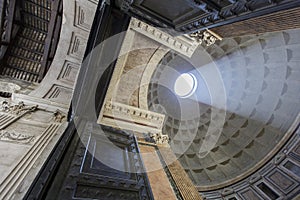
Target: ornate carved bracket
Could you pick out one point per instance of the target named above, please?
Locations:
(157, 138)
(59, 116)
(205, 37)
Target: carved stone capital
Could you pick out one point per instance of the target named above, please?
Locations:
(59, 116)
(207, 37)
(157, 138)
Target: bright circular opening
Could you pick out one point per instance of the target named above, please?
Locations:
(185, 85)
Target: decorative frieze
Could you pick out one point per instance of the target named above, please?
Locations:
(16, 137)
(183, 44)
(18, 109)
(126, 117)
(11, 113)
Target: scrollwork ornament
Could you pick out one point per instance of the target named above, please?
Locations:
(205, 37)
(17, 109)
(59, 116)
(16, 137)
(157, 138)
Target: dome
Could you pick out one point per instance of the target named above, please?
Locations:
(245, 101)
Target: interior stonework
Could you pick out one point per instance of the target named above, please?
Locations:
(23, 158)
(89, 110)
(254, 108)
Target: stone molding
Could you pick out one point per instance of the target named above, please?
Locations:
(126, 117)
(24, 165)
(16, 137)
(11, 113)
(182, 44)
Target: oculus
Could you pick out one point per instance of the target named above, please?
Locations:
(185, 85)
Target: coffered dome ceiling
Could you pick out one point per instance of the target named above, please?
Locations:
(242, 124)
